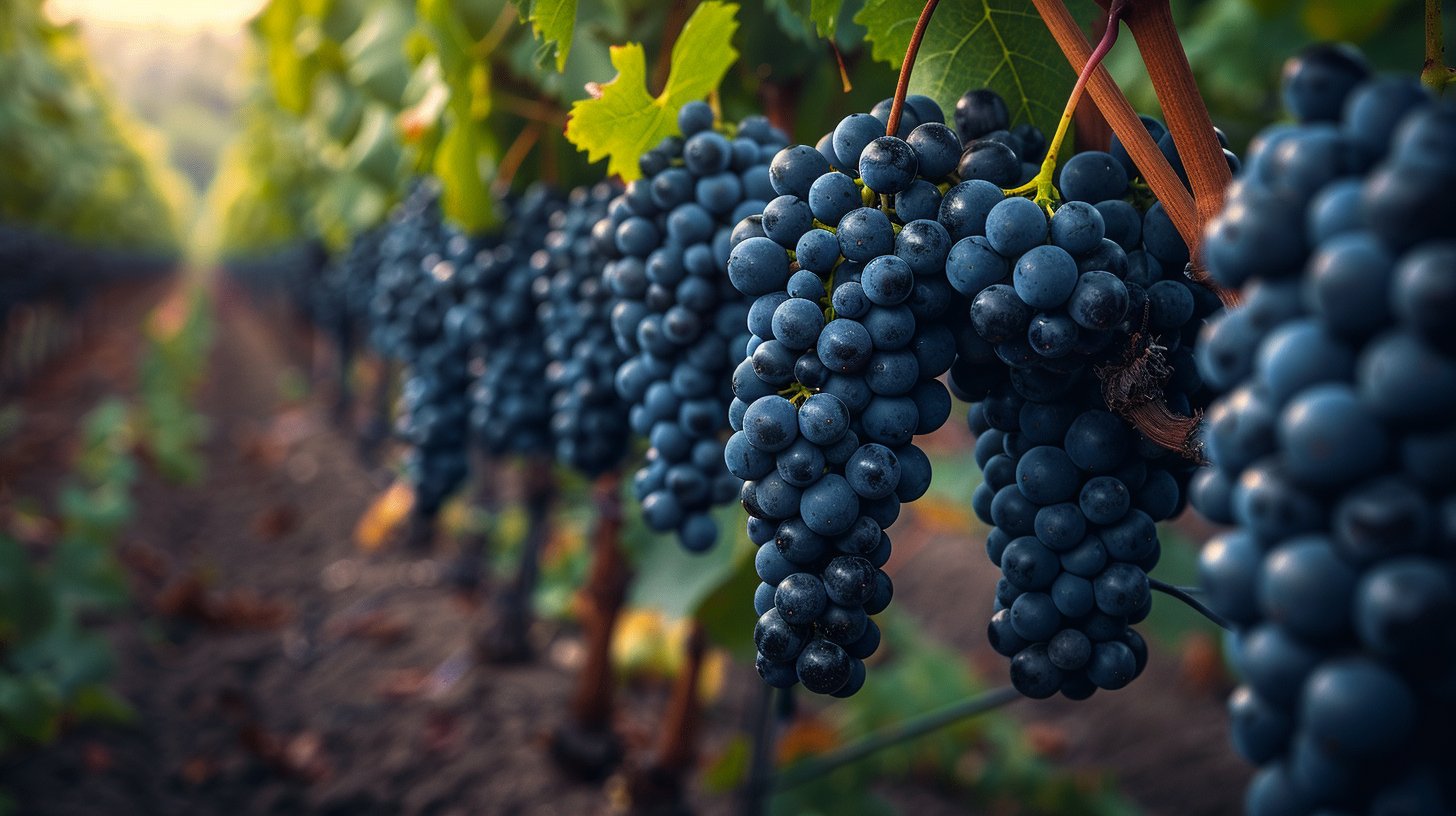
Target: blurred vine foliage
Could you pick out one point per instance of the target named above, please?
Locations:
(1236, 49)
(354, 97)
(72, 162)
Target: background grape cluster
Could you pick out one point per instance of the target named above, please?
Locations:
(588, 419)
(678, 317)
(510, 414)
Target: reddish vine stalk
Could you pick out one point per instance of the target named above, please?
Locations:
(603, 596)
(1152, 27)
(1434, 72)
(903, 86)
(1165, 184)
(659, 786)
(1091, 131)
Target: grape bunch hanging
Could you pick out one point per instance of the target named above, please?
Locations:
(1332, 443)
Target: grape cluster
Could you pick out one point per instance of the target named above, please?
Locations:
(339, 299)
(587, 417)
(434, 409)
(40, 265)
(405, 311)
(509, 415)
(355, 278)
(415, 287)
(850, 330)
(677, 317)
(1075, 320)
(1333, 446)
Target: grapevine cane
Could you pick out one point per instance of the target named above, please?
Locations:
(1130, 132)
(661, 783)
(910, 729)
(467, 572)
(508, 641)
(902, 87)
(1090, 130)
(1152, 27)
(760, 768)
(1041, 184)
(586, 745)
(1434, 72)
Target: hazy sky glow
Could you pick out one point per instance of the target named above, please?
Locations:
(187, 13)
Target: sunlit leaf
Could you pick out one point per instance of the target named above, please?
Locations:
(625, 121)
(554, 23)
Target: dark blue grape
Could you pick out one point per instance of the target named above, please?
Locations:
(990, 161)
(1316, 82)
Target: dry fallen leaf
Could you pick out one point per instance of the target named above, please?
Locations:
(1201, 664)
(806, 736)
(384, 516)
(1046, 739)
(400, 684)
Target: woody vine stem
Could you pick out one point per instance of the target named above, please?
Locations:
(1434, 72)
(902, 87)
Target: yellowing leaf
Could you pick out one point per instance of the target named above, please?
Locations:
(384, 516)
(625, 122)
(997, 44)
(640, 643)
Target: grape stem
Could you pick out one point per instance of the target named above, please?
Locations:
(903, 86)
(1434, 72)
(1193, 603)
(1156, 35)
(913, 728)
(1151, 163)
(514, 156)
(1041, 184)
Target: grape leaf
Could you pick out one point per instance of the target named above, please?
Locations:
(825, 14)
(554, 23)
(816, 17)
(1351, 20)
(465, 196)
(625, 121)
(997, 44)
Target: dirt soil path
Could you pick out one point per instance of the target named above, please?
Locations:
(276, 669)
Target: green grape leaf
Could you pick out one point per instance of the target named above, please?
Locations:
(825, 14)
(625, 121)
(677, 582)
(1352, 20)
(997, 44)
(554, 23)
(465, 196)
(276, 27)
